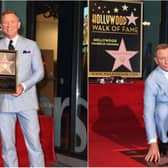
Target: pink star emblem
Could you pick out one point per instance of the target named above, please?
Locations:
(122, 56)
(132, 19)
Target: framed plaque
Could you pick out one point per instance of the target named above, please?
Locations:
(8, 71)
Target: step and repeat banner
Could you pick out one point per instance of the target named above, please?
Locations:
(115, 39)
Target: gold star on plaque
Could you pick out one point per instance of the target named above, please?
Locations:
(125, 7)
(108, 11)
(115, 10)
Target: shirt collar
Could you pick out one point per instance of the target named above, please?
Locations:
(165, 73)
(14, 40)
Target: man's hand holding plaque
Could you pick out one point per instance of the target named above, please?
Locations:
(19, 90)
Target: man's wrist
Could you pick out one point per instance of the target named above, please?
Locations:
(24, 87)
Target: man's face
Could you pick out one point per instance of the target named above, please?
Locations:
(162, 59)
(10, 25)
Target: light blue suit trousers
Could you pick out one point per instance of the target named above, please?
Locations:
(30, 128)
(24, 107)
(156, 105)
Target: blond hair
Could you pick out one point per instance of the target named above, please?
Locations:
(8, 12)
(160, 46)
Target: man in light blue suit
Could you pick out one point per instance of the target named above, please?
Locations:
(23, 104)
(156, 106)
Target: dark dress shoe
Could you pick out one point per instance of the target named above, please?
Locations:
(163, 148)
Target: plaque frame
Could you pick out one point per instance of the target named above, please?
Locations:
(8, 71)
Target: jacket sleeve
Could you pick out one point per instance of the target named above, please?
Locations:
(37, 68)
(150, 93)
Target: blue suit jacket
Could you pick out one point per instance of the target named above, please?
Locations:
(155, 101)
(30, 71)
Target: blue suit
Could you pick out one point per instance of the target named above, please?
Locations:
(156, 105)
(24, 107)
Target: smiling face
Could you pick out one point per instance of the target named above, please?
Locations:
(161, 58)
(10, 24)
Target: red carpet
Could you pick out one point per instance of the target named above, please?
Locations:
(47, 141)
(116, 129)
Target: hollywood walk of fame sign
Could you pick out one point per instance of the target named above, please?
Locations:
(8, 71)
(115, 38)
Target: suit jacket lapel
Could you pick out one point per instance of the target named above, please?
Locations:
(19, 43)
(4, 45)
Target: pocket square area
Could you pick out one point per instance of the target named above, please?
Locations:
(26, 52)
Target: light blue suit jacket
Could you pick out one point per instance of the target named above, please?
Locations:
(156, 105)
(30, 71)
